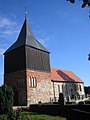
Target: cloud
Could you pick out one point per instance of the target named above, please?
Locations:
(45, 40)
(4, 22)
(8, 27)
(9, 32)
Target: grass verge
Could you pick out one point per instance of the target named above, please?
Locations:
(34, 116)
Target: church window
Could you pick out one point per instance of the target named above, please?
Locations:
(80, 87)
(32, 82)
(66, 89)
(59, 89)
(62, 88)
(29, 81)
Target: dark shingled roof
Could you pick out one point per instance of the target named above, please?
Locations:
(26, 37)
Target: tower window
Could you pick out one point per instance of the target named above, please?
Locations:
(32, 82)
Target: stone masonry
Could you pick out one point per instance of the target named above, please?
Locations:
(42, 92)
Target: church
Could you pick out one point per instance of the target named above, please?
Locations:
(27, 70)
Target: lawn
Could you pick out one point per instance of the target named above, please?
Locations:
(34, 116)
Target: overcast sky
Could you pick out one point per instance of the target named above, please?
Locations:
(63, 28)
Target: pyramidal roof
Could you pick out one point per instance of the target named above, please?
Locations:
(26, 37)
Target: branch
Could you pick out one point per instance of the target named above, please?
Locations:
(84, 2)
(89, 57)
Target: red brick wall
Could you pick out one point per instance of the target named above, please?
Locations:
(43, 90)
(17, 81)
(24, 93)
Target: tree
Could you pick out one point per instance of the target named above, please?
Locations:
(89, 57)
(6, 98)
(84, 2)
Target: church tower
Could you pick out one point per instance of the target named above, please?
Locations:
(27, 69)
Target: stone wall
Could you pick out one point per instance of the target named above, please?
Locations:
(72, 90)
(42, 91)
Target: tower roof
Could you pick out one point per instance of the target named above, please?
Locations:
(26, 37)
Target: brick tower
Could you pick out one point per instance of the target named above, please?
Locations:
(27, 69)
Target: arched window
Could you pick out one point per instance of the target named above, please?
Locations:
(62, 88)
(32, 82)
(80, 88)
(59, 89)
(29, 81)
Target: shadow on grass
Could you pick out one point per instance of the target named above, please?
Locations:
(71, 112)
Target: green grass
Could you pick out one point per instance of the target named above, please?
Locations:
(35, 116)
(88, 99)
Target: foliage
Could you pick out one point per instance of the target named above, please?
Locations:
(89, 57)
(89, 98)
(34, 116)
(6, 98)
(84, 2)
(14, 115)
(87, 101)
(3, 117)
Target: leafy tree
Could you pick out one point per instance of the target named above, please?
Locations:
(89, 57)
(6, 98)
(84, 2)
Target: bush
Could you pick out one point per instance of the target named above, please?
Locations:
(81, 103)
(14, 115)
(6, 99)
(71, 103)
(87, 102)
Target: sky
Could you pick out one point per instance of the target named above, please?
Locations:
(63, 28)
